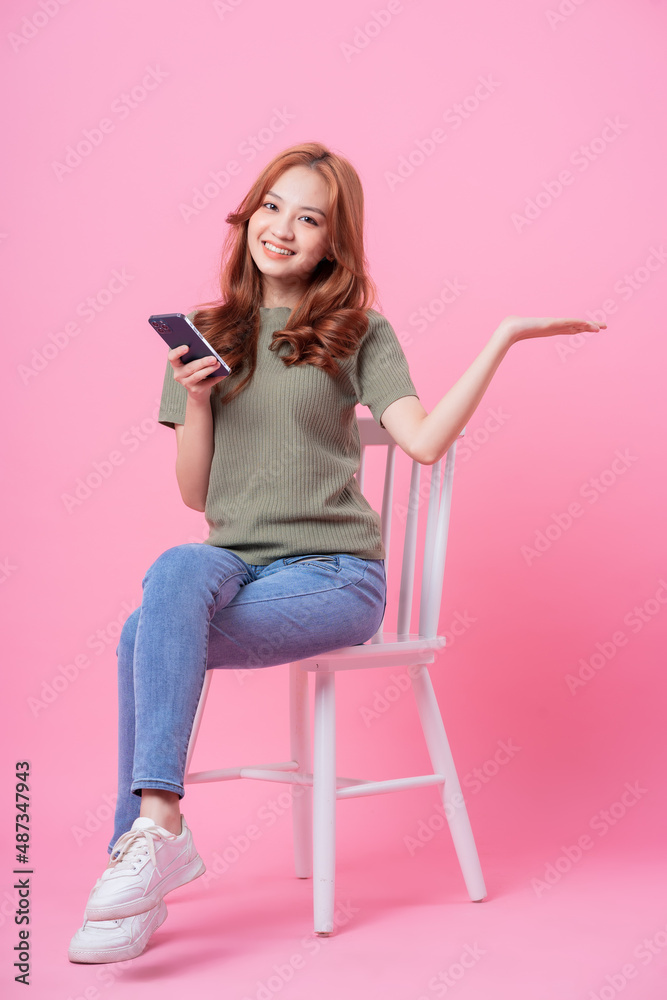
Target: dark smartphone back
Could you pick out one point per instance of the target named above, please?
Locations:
(176, 329)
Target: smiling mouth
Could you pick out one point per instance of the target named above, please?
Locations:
(272, 248)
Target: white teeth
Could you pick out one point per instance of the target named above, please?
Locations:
(287, 253)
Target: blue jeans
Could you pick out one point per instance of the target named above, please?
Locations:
(204, 607)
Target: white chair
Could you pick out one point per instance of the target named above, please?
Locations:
(314, 811)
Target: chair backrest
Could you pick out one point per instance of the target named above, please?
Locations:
(437, 527)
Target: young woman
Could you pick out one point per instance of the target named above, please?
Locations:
(294, 562)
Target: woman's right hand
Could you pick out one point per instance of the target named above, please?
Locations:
(191, 376)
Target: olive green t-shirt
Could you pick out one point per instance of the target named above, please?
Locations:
(286, 450)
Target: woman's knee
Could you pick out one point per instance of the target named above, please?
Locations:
(176, 558)
(178, 566)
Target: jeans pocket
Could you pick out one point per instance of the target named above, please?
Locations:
(329, 562)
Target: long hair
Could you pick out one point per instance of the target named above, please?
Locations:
(330, 319)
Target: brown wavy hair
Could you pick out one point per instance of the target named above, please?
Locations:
(330, 320)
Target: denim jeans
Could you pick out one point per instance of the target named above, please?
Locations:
(203, 607)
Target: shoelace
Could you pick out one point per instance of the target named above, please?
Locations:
(134, 844)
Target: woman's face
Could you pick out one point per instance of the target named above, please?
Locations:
(292, 217)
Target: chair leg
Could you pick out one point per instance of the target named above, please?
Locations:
(302, 801)
(324, 802)
(452, 797)
(197, 720)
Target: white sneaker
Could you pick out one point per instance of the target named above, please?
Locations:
(115, 940)
(147, 862)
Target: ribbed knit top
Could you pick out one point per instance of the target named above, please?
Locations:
(286, 450)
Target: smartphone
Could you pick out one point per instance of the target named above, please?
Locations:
(176, 329)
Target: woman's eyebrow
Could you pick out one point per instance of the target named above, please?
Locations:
(308, 208)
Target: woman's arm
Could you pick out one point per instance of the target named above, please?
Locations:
(426, 437)
(194, 440)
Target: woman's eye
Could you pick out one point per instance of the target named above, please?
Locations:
(271, 204)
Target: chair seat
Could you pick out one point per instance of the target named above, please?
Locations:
(387, 649)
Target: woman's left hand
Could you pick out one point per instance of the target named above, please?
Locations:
(516, 328)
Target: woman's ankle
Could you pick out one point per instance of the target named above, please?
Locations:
(162, 807)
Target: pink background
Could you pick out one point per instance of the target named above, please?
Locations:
(83, 385)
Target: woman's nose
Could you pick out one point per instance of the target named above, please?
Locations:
(282, 228)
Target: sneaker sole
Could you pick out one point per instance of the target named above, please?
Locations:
(105, 955)
(193, 870)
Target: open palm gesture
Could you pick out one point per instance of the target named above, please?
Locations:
(524, 327)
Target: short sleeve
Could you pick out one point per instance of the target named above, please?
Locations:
(381, 374)
(174, 396)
